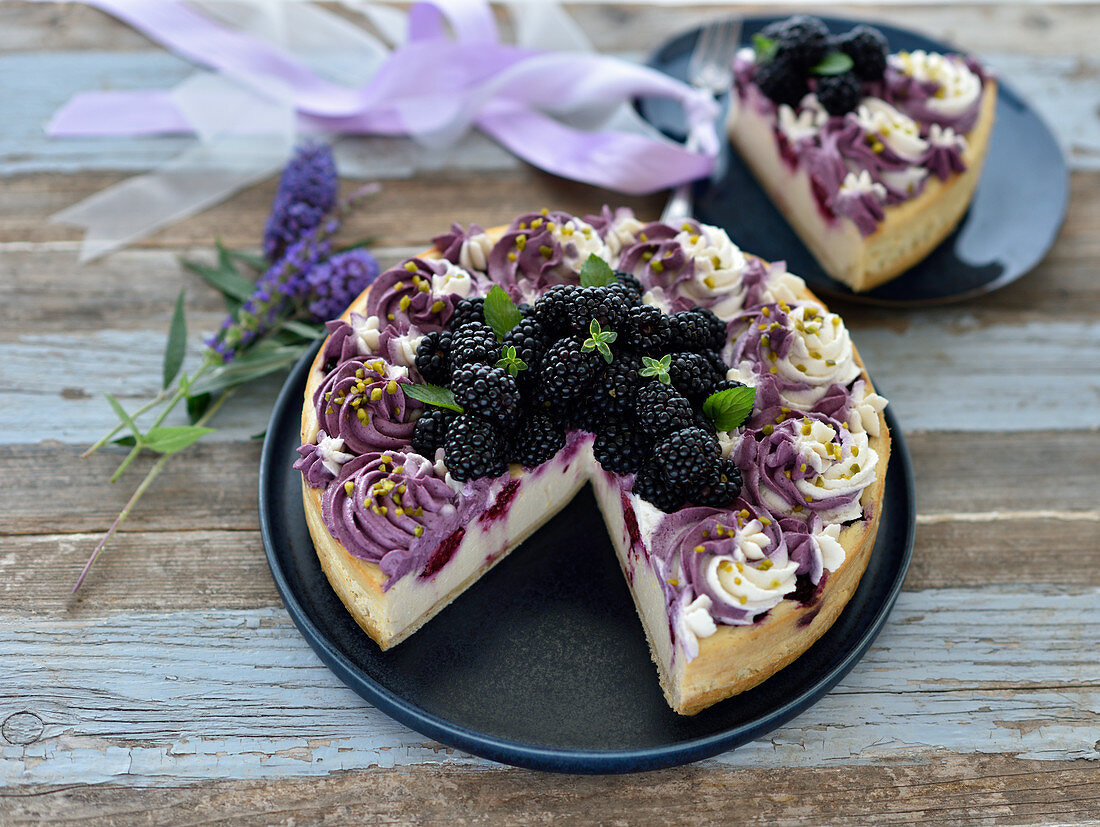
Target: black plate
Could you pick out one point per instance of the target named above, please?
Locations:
(1012, 222)
(543, 662)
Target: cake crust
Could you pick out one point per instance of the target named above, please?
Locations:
(732, 660)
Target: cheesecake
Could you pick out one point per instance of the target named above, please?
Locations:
(872, 157)
(734, 442)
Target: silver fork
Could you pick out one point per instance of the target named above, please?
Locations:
(710, 68)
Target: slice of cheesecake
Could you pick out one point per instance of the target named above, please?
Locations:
(873, 167)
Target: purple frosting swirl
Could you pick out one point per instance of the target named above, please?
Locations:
(364, 404)
(402, 296)
(312, 466)
(657, 259)
(450, 243)
(944, 159)
(863, 208)
(529, 250)
(771, 462)
(391, 509)
(344, 342)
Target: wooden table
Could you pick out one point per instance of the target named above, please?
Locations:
(174, 687)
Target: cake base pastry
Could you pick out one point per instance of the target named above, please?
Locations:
(871, 157)
(721, 413)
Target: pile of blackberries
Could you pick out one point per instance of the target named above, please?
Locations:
(647, 418)
(800, 44)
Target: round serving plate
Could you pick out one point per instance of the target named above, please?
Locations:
(1013, 219)
(543, 662)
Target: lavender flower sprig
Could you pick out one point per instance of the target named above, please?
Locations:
(271, 322)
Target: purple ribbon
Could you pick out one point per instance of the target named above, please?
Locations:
(432, 86)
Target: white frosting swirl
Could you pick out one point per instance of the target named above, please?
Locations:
(946, 137)
(454, 279)
(696, 616)
(753, 587)
(904, 180)
(806, 123)
(894, 129)
(834, 469)
(781, 286)
(403, 349)
(863, 414)
(860, 183)
(474, 253)
(959, 87)
(828, 543)
(331, 451)
(578, 241)
(440, 470)
(820, 355)
(366, 330)
(622, 232)
(718, 267)
(657, 297)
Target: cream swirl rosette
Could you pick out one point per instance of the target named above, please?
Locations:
(958, 87)
(893, 128)
(716, 281)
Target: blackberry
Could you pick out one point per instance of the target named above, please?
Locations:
(618, 448)
(717, 363)
(551, 309)
(567, 371)
(660, 409)
(607, 306)
(527, 338)
(488, 391)
(474, 343)
(689, 458)
(433, 357)
(694, 375)
(867, 48)
(697, 329)
(537, 439)
(631, 288)
(781, 82)
(648, 330)
(651, 486)
(613, 394)
(839, 94)
(727, 384)
(474, 448)
(724, 491)
(468, 310)
(431, 431)
(803, 40)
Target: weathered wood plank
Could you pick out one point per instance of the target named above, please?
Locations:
(947, 788)
(147, 698)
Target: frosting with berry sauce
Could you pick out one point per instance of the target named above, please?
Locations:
(542, 249)
(792, 355)
(392, 509)
(808, 464)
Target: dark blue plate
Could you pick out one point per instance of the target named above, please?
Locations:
(1012, 222)
(543, 662)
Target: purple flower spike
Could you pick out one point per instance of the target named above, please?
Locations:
(337, 281)
(307, 191)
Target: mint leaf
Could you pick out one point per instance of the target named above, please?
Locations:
(596, 272)
(510, 362)
(764, 47)
(177, 343)
(433, 395)
(834, 63)
(729, 408)
(501, 313)
(169, 439)
(599, 340)
(657, 368)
